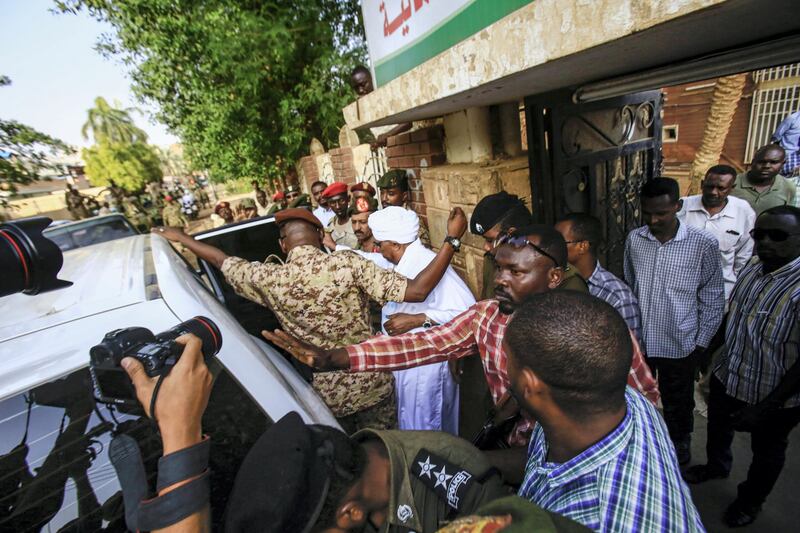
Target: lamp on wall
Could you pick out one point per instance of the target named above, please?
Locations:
(764, 55)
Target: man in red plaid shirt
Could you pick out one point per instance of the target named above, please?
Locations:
(528, 262)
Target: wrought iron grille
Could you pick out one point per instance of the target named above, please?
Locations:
(777, 94)
(594, 158)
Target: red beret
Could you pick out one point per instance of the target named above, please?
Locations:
(278, 196)
(334, 189)
(363, 186)
(297, 213)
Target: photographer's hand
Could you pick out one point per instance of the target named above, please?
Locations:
(183, 396)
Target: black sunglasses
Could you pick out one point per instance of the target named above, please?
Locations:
(520, 240)
(775, 235)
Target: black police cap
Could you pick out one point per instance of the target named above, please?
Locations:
(284, 480)
(491, 209)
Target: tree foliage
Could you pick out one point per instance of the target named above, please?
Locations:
(173, 163)
(245, 84)
(129, 165)
(120, 153)
(112, 124)
(25, 153)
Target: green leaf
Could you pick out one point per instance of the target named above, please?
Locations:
(245, 84)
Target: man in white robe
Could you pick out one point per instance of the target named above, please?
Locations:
(427, 396)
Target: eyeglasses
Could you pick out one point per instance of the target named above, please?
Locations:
(775, 235)
(520, 240)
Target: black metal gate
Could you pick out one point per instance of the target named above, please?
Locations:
(594, 158)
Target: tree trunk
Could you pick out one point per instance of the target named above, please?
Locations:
(727, 93)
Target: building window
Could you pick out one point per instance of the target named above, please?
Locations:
(777, 95)
(669, 134)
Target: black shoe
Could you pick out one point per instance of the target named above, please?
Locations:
(702, 473)
(683, 449)
(739, 514)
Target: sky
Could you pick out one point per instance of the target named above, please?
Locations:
(56, 74)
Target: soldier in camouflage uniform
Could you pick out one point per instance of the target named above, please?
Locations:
(75, 203)
(117, 194)
(323, 299)
(135, 213)
(172, 214)
(395, 191)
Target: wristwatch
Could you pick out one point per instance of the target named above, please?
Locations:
(428, 323)
(454, 242)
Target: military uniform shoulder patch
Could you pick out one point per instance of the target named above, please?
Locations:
(449, 481)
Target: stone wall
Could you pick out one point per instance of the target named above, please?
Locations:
(463, 185)
(342, 163)
(415, 151)
(308, 172)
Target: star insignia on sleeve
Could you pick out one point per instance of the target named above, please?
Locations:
(442, 478)
(426, 467)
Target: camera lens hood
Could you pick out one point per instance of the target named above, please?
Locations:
(29, 261)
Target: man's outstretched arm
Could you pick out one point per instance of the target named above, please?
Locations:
(213, 255)
(422, 285)
(452, 340)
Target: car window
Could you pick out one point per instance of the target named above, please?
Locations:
(253, 243)
(55, 474)
(90, 232)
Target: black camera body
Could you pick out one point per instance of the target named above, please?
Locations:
(157, 354)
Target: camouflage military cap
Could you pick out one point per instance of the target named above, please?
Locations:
(291, 188)
(248, 203)
(394, 178)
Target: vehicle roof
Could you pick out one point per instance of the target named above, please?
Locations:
(105, 276)
(85, 222)
(234, 226)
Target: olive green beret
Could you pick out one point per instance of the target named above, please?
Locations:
(397, 177)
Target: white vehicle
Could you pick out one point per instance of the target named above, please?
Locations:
(54, 469)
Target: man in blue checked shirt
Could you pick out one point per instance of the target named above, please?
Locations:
(583, 234)
(600, 453)
(676, 273)
(755, 386)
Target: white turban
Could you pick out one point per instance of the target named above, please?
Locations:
(396, 224)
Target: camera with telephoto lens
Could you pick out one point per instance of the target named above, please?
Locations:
(157, 354)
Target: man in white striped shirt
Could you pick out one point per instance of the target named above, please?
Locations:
(726, 217)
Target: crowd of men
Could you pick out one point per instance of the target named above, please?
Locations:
(151, 206)
(578, 360)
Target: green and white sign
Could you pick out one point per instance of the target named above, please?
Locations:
(402, 34)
